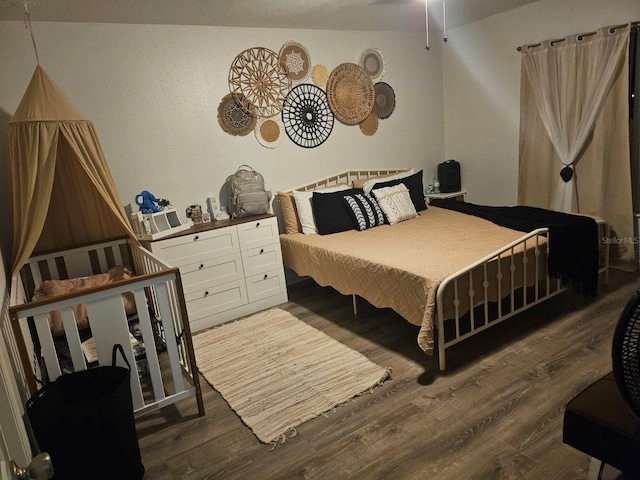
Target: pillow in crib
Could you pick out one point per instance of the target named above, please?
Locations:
(54, 288)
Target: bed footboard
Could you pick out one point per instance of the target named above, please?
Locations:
(522, 282)
(161, 350)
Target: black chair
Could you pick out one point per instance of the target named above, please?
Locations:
(603, 421)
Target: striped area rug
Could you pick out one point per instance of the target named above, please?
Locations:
(276, 372)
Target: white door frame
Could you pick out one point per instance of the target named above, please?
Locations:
(14, 441)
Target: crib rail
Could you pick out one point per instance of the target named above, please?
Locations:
(518, 271)
(162, 319)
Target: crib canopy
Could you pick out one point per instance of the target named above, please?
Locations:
(62, 191)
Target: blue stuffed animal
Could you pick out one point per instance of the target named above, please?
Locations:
(147, 202)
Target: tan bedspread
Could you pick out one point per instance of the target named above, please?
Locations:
(399, 266)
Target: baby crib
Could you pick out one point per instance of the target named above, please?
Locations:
(156, 339)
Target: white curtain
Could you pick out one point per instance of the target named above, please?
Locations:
(571, 79)
(574, 115)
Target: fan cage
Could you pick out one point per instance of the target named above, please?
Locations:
(626, 353)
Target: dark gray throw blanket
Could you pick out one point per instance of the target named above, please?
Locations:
(573, 239)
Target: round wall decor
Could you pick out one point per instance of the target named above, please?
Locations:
(269, 132)
(369, 125)
(372, 62)
(296, 60)
(350, 93)
(319, 74)
(256, 78)
(385, 101)
(307, 117)
(233, 118)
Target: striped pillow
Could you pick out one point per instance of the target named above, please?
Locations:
(364, 210)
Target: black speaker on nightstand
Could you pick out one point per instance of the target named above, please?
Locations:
(449, 176)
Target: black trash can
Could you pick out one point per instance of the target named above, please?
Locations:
(85, 421)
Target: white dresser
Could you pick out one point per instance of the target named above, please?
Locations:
(229, 268)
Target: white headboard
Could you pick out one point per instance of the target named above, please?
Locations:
(345, 177)
(349, 176)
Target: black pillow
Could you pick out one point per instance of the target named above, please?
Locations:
(330, 212)
(364, 210)
(415, 186)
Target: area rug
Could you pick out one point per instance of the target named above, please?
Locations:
(276, 372)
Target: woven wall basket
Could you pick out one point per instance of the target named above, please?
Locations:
(233, 117)
(262, 80)
(319, 74)
(350, 93)
(296, 60)
(372, 61)
(369, 125)
(269, 132)
(385, 100)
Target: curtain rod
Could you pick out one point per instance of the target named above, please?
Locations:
(580, 36)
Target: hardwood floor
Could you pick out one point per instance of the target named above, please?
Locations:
(496, 413)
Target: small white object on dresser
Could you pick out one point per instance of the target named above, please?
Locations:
(229, 268)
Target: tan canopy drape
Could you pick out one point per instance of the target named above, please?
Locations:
(574, 111)
(62, 191)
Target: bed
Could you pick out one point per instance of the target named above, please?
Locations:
(451, 274)
(142, 309)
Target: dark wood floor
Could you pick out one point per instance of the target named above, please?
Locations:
(496, 413)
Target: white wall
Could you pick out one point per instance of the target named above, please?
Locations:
(153, 92)
(482, 85)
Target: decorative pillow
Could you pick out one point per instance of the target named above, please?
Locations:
(396, 203)
(367, 185)
(54, 288)
(305, 209)
(330, 212)
(414, 184)
(289, 212)
(365, 211)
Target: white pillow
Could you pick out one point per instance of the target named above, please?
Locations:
(305, 209)
(368, 185)
(395, 203)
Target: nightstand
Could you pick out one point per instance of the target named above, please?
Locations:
(460, 196)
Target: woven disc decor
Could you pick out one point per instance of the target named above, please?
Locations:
(350, 93)
(269, 132)
(369, 125)
(258, 75)
(307, 117)
(233, 118)
(385, 100)
(319, 74)
(372, 62)
(296, 60)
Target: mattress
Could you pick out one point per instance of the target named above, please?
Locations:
(402, 266)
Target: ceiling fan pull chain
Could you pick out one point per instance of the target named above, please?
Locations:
(444, 21)
(426, 13)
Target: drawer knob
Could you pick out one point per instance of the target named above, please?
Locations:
(202, 265)
(257, 224)
(206, 293)
(196, 238)
(262, 250)
(265, 276)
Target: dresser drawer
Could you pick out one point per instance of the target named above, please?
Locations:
(257, 233)
(265, 285)
(261, 259)
(189, 249)
(212, 271)
(216, 299)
